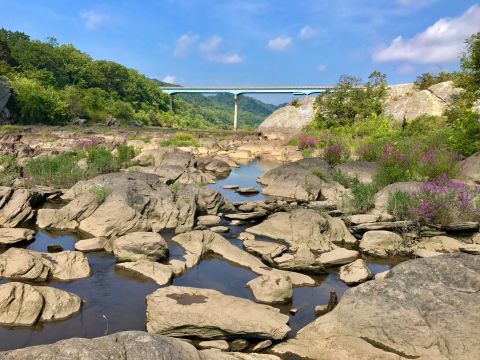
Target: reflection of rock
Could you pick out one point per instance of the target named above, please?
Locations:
(127, 345)
(209, 314)
(160, 273)
(423, 309)
(271, 289)
(140, 246)
(24, 305)
(10, 236)
(199, 243)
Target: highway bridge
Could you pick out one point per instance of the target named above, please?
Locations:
(236, 91)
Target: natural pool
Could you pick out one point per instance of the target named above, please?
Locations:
(114, 300)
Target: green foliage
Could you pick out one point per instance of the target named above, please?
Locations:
(362, 198)
(306, 153)
(350, 102)
(100, 191)
(9, 170)
(181, 139)
(124, 154)
(465, 135)
(343, 179)
(319, 173)
(400, 205)
(10, 129)
(56, 170)
(425, 80)
(99, 160)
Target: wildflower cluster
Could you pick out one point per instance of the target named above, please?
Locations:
(336, 154)
(307, 142)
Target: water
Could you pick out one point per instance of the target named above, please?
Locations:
(115, 299)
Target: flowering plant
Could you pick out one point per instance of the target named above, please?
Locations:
(307, 142)
(336, 154)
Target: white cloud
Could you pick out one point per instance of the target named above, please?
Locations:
(93, 19)
(308, 32)
(183, 45)
(169, 79)
(321, 67)
(209, 49)
(280, 43)
(405, 69)
(440, 43)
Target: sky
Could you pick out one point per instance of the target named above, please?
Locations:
(257, 42)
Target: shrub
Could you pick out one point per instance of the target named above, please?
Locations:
(100, 161)
(465, 135)
(400, 205)
(435, 162)
(100, 191)
(307, 142)
(10, 128)
(319, 173)
(336, 154)
(181, 139)
(442, 200)
(362, 198)
(394, 166)
(426, 80)
(9, 170)
(59, 170)
(343, 179)
(124, 154)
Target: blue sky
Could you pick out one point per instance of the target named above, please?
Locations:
(269, 42)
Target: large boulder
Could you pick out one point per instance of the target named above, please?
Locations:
(21, 264)
(17, 206)
(361, 170)
(355, 273)
(69, 265)
(470, 168)
(59, 304)
(317, 231)
(127, 345)
(135, 202)
(209, 314)
(140, 246)
(422, 309)
(198, 244)
(271, 289)
(288, 120)
(11, 236)
(383, 243)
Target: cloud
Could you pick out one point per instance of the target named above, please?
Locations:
(169, 79)
(308, 32)
(280, 43)
(321, 67)
(209, 49)
(183, 44)
(442, 42)
(405, 69)
(415, 3)
(93, 19)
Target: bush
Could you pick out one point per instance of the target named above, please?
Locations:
(426, 80)
(100, 191)
(362, 198)
(59, 170)
(400, 205)
(9, 170)
(344, 180)
(307, 142)
(336, 154)
(124, 154)
(465, 135)
(181, 139)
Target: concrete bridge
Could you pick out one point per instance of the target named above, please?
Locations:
(236, 91)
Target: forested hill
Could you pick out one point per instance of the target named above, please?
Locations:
(55, 83)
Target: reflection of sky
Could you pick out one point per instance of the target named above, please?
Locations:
(245, 176)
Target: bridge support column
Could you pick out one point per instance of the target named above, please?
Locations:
(172, 103)
(235, 111)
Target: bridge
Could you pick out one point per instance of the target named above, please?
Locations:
(236, 91)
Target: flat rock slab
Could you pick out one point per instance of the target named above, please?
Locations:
(383, 225)
(247, 190)
(473, 249)
(339, 256)
(271, 289)
(94, 244)
(220, 229)
(355, 273)
(263, 248)
(247, 215)
(423, 309)
(160, 273)
(230, 187)
(209, 314)
(11, 236)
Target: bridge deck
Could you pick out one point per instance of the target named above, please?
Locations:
(237, 90)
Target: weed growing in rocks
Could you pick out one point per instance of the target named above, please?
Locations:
(100, 191)
(400, 205)
(361, 199)
(9, 170)
(307, 142)
(181, 139)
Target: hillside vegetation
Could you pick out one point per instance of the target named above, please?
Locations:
(56, 83)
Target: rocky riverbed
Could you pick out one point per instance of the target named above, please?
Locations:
(237, 249)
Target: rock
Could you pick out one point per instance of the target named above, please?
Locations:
(140, 246)
(230, 187)
(438, 244)
(241, 155)
(136, 202)
(262, 345)
(213, 354)
(383, 244)
(160, 273)
(263, 248)
(362, 219)
(239, 345)
(21, 264)
(236, 222)
(20, 304)
(318, 231)
(383, 225)
(321, 310)
(355, 273)
(216, 166)
(247, 215)
(338, 256)
(288, 120)
(271, 289)
(470, 168)
(220, 229)
(424, 309)
(221, 345)
(127, 345)
(381, 199)
(93, 244)
(247, 190)
(54, 248)
(209, 220)
(299, 263)
(381, 275)
(461, 226)
(473, 249)
(198, 244)
(69, 265)
(446, 91)
(16, 206)
(361, 170)
(209, 314)
(11, 236)
(59, 304)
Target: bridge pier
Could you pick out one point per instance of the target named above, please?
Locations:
(235, 111)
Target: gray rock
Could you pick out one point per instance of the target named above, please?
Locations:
(209, 314)
(424, 309)
(361, 170)
(127, 345)
(140, 246)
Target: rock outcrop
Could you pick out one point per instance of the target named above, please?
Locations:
(11, 236)
(422, 309)
(17, 206)
(209, 314)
